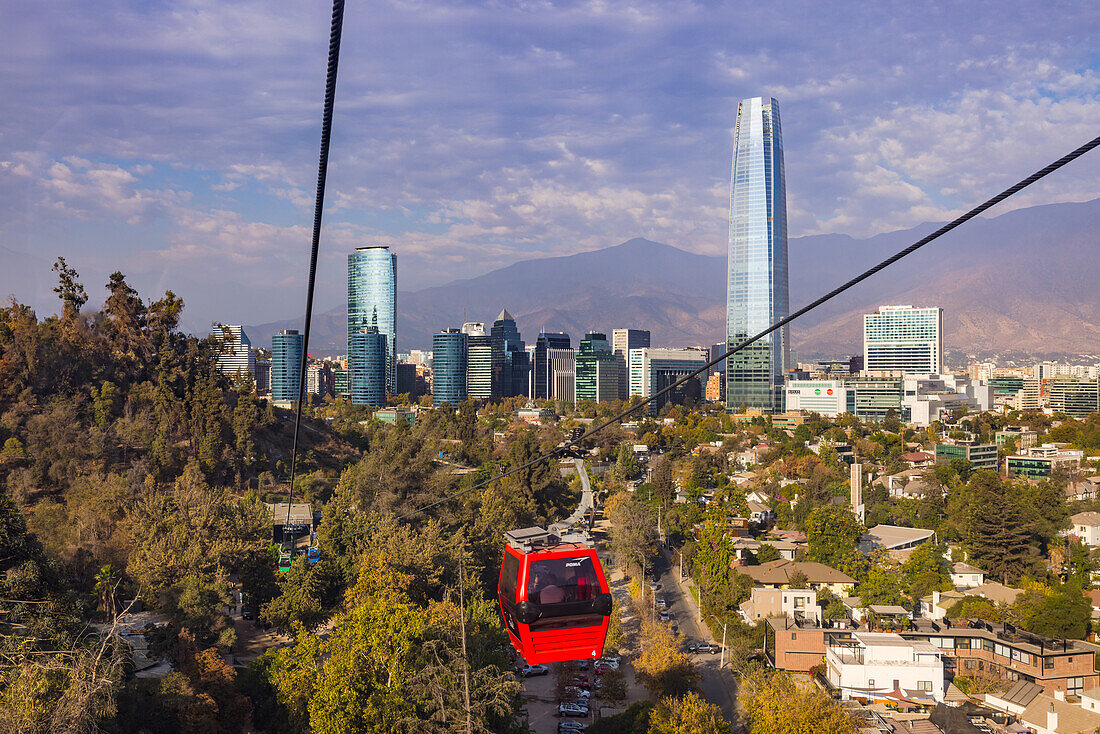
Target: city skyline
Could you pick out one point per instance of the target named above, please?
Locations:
(190, 159)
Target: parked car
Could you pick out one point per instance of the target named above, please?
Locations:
(694, 646)
(532, 670)
(665, 616)
(573, 709)
(710, 647)
(616, 659)
(581, 682)
(570, 726)
(576, 694)
(662, 603)
(583, 665)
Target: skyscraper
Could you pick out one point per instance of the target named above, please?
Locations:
(286, 364)
(561, 369)
(541, 366)
(756, 290)
(597, 369)
(372, 303)
(479, 361)
(236, 350)
(903, 339)
(652, 370)
(368, 367)
(449, 367)
(510, 363)
(622, 341)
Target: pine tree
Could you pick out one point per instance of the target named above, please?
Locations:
(998, 537)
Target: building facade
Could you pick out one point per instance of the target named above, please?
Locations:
(1075, 397)
(479, 361)
(757, 282)
(540, 364)
(562, 374)
(903, 339)
(372, 303)
(368, 369)
(622, 342)
(511, 364)
(235, 353)
(980, 455)
(597, 369)
(825, 397)
(449, 348)
(286, 365)
(654, 369)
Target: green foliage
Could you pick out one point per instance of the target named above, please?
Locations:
(926, 570)
(689, 714)
(635, 720)
(997, 535)
(1061, 611)
(976, 607)
(833, 535)
(774, 704)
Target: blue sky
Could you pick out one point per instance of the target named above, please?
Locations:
(177, 141)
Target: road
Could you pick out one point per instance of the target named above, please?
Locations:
(717, 686)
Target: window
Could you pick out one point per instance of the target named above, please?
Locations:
(963, 643)
(794, 635)
(1075, 686)
(870, 682)
(924, 685)
(509, 573)
(1002, 650)
(1048, 663)
(987, 645)
(557, 580)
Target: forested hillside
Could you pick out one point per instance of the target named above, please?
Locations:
(132, 469)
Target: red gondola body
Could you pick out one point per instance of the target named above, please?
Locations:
(554, 598)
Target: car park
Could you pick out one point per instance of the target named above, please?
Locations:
(573, 709)
(532, 670)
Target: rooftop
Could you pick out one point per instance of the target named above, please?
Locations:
(780, 572)
(1086, 518)
(300, 513)
(894, 536)
(961, 567)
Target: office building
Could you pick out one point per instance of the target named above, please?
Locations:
(540, 364)
(479, 361)
(1073, 396)
(654, 369)
(825, 397)
(368, 367)
(409, 381)
(930, 398)
(263, 376)
(319, 380)
(980, 455)
(716, 351)
(235, 350)
(756, 286)
(597, 369)
(903, 339)
(449, 350)
(562, 374)
(511, 365)
(286, 365)
(1037, 462)
(372, 303)
(341, 382)
(622, 342)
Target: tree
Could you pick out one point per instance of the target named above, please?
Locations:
(774, 704)
(996, 534)
(661, 667)
(69, 289)
(661, 482)
(687, 715)
(633, 529)
(926, 570)
(106, 587)
(798, 580)
(833, 534)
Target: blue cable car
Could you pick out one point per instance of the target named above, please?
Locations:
(313, 555)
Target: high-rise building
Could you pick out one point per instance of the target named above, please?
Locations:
(479, 361)
(263, 376)
(235, 353)
(716, 351)
(622, 341)
(341, 382)
(597, 369)
(449, 355)
(903, 339)
(510, 363)
(756, 285)
(372, 303)
(286, 364)
(652, 370)
(368, 366)
(562, 374)
(1074, 396)
(319, 379)
(540, 365)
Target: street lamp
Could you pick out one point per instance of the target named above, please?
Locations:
(722, 660)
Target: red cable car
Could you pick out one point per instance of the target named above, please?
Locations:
(553, 597)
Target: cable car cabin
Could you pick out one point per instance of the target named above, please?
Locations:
(313, 555)
(285, 560)
(553, 597)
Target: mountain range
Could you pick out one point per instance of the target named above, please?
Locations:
(1022, 282)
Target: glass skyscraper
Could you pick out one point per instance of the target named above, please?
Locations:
(368, 370)
(903, 339)
(449, 354)
(510, 362)
(372, 303)
(286, 364)
(756, 286)
(540, 365)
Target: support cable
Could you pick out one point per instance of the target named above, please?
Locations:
(319, 205)
(1011, 190)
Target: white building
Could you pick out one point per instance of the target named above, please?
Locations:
(1086, 526)
(965, 576)
(903, 339)
(883, 665)
(794, 603)
(827, 397)
(654, 368)
(927, 398)
(236, 350)
(562, 380)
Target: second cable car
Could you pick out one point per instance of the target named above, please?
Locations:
(553, 597)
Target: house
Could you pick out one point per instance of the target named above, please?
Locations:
(757, 496)
(965, 576)
(919, 458)
(535, 415)
(760, 513)
(1086, 527)
(1048, 714)
(894, 537)
(936, 605)
(798, 604)
(883, 666)
(777, 575)
(1082, 490)
(399, 415)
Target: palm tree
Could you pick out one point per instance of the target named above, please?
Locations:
(106, 583)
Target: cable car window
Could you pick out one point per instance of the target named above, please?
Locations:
(509, 576)
(562, 580)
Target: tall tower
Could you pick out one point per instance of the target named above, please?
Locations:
(903, 339)
(756, 286)
(372, 303)
(286, 364)
(449, 348)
